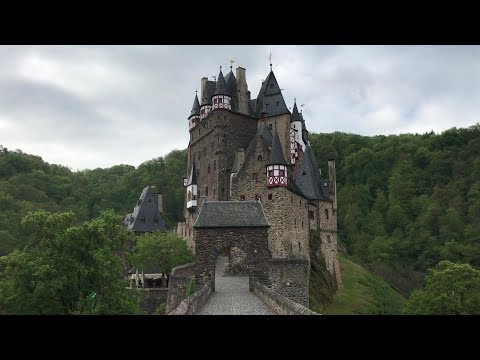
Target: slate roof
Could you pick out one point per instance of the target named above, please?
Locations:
(221, 87)
(145, 217)
(269, 96)
(214, 214)
(192, 178)
(208, 93)
(195, 107)
(308, 179)
(231, 81)
(295, 114)
(276, 155)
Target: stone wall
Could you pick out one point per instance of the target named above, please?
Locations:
(153, 298)
(286, 212)
(179, 281)
(212, 146)
(209, 242)
(328, 239)
(278, 303)
(288, 277)
(194, 302)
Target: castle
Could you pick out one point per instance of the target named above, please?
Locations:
(244, 149)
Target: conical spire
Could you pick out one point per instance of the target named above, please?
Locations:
(276, 156)
(196, 106)
(308, 179)
(295, 114)
(221, 88)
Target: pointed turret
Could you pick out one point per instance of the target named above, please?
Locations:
(277, 166)
(206, 105)
(192, 188)
(221, 97)
(296, 133)
(232, 88)
(194, 117)
(270, 98)
(295, 114)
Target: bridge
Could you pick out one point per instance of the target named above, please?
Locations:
(232, 295)
(273, 285)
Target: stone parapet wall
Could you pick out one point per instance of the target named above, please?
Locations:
(278, 303)
(179, 281)
(192, 304)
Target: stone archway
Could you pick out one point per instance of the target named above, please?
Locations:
(210, 242)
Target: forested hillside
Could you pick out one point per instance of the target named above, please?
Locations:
(28, 183)
(405, 202)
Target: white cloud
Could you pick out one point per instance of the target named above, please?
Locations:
(97, 106)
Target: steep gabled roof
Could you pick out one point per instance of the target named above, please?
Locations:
(214, 214)
(208, 92)
(192, 178)
(276, 155)
(295, 114)
(145, 217)
(221, 87)
(308, 179)
(231, 81)
(195, 107)
(270, 98)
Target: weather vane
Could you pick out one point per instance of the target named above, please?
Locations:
(270, 58)
(231, 62)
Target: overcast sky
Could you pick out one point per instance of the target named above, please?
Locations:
(99, 106)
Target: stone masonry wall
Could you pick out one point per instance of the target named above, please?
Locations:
(278, 303)
(153, 298)
(209, 242)
(328, 237)
(289, 278)
(213, 143)
(179, 281)
(286, 212)
(192, 304)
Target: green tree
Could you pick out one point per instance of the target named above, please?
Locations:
(163, 250)
(66, 269)
(451, 289)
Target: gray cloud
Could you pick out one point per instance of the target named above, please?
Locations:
(97, 106)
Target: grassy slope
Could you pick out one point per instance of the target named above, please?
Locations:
(364, 293)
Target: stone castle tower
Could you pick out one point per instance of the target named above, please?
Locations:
(244, 149)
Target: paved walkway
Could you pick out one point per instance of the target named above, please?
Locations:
(232, 296)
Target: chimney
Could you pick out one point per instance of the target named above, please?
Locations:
(160, 203)
(243, 94)
(202, 88)
(333, 182)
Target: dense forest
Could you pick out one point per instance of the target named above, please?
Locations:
(405, 202)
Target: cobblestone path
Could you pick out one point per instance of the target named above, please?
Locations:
(232, 296)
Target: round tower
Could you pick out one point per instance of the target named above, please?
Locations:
(277, 166)
(221, 98)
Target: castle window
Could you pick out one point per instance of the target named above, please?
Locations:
(206, 190)
(214, 165)
(302, 224)
(199, 131)
(271, 86)
(295, 222)
(259, 158)
(326, 213)
(255, 177)
(277, 103)
(194, 197)
(281, 173)
(328, 238)
(270, 126)
(242, 197)
(149, 200)
(222, 191)
(258, 198)
(270, 196)
(189, 196)
(311, 215)
(266, 105)
(214, 191)
(299, 247)
(270, 173)
(208, 169)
